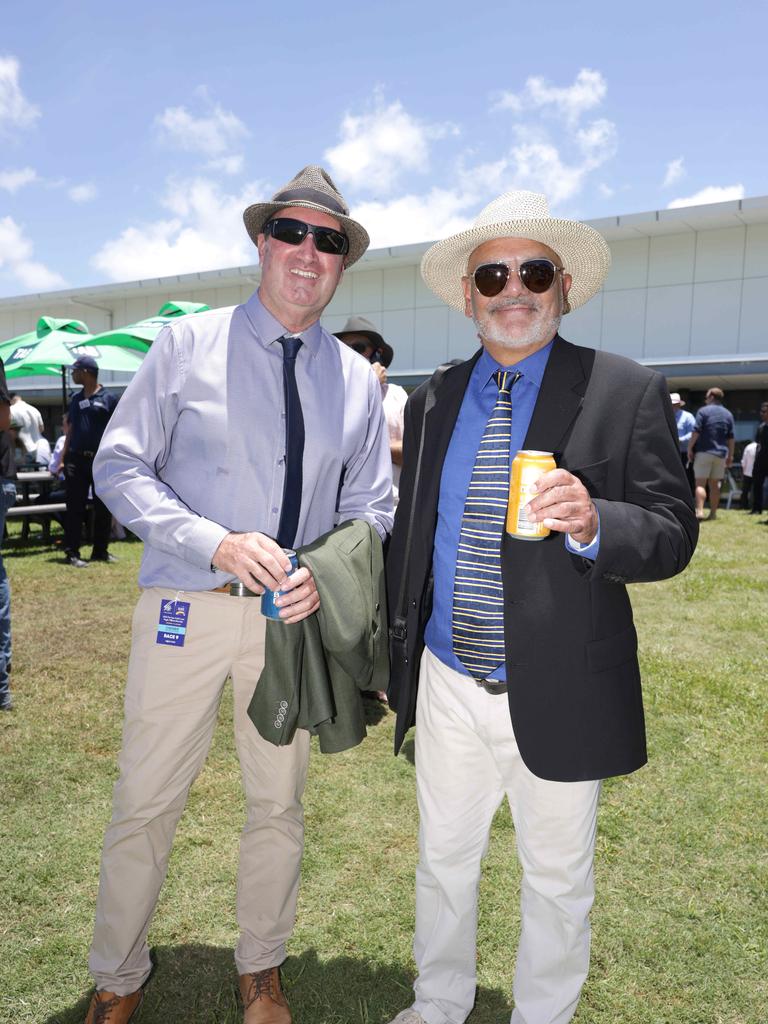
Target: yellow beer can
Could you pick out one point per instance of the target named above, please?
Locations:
(527, 467)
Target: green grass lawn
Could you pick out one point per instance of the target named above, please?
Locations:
(680, 922)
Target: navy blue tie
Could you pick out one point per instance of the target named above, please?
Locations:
(294, 446)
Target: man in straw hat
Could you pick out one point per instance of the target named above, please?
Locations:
(523, 654)
(684, 424)
(246, 432)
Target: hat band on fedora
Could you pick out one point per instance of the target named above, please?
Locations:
(309, 195)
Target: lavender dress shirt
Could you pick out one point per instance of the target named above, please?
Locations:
(196, 446)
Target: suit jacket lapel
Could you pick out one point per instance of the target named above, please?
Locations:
(439, 424)
(560, 398)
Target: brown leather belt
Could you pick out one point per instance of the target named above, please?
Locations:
(235, 589)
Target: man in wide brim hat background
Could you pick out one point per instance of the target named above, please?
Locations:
(358, 327)
(517, 660)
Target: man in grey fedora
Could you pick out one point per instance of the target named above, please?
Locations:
(517, 659)
(246, 432)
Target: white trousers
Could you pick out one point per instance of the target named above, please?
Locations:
(466, 761)
(171, 705)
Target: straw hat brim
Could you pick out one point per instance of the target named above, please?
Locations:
(256, 216)
(584, 253)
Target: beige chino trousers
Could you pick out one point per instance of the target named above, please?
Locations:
(171, 703)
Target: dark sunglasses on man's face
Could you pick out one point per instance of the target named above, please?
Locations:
(537, 276)
(293, 232)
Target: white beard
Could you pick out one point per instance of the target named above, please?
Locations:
(540, 328)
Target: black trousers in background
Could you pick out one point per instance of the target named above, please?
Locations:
(758, 480)
(78, 479)
(746, 492)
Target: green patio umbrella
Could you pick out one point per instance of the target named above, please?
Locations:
(139, 336)
(54, 345)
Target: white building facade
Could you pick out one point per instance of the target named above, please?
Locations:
(685, 294)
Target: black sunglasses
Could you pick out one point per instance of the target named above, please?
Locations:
(537, 276)
(293, 232)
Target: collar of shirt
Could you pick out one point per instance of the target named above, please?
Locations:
(268, 329)
(532, 367)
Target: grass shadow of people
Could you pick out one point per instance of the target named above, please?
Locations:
(197, 984)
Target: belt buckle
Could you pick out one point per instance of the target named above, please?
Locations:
(491, 686)
(238, 589)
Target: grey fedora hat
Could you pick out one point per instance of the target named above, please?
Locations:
(312, 189)
(359, 325)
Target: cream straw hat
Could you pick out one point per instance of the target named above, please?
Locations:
(583, 251)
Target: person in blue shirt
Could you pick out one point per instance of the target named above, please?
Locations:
(517, 659)
(685, 422)
(710, 449)
(88, 414)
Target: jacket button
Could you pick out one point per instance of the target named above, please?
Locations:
(413, 604)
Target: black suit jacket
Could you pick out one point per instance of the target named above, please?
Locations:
(571, 647)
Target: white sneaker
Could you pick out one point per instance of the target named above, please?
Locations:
(409, 1016)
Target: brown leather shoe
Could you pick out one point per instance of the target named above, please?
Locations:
(263, 999)
(107, 1008)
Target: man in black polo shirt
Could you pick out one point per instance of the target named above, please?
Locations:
(89, 412)
(7, 498)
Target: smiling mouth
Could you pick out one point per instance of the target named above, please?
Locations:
(308, 274)
(515, 307)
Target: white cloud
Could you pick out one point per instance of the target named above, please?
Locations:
(557, 164)
(16, 256)
(12, 181)
(675, 171)
(710, 194)
(538, 164)
(605, 190)
(213, 133)
(378, 147)
(83, 193)
(228, 164)
(203, 232)
(417, 218)
(588, 91)
(15, 108)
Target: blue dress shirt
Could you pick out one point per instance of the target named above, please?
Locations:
(479, 399)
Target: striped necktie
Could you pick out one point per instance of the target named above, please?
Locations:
(478, 609)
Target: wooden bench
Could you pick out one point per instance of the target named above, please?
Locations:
(42, 512)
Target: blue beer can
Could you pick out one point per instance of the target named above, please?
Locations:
(268, 606)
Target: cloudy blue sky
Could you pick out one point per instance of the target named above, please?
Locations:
(131, 142)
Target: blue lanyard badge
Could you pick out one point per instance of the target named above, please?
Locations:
(172, 627)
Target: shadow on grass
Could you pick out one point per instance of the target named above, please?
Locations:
(197, 984)
(408, 750)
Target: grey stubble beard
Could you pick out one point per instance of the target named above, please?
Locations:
(536, 331)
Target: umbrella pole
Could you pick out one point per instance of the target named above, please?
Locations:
(63, 389)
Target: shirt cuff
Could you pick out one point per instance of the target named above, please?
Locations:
(585, 550)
